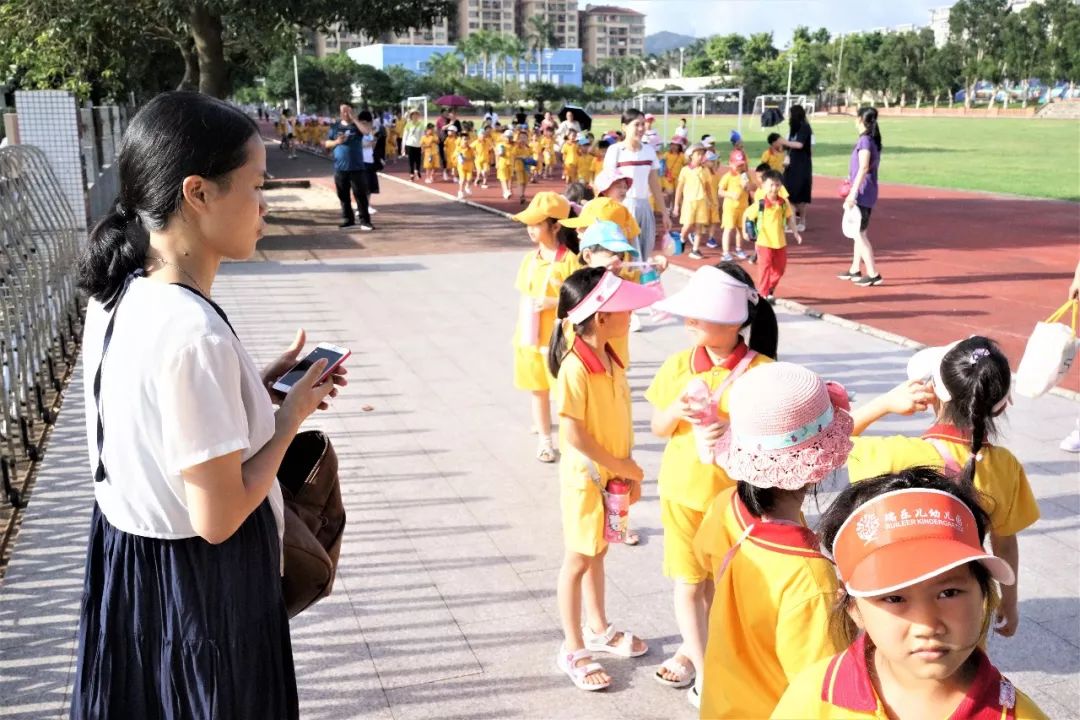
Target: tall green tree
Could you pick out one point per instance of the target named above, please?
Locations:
(976, 27)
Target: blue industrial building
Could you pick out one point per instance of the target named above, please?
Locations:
(561, 66)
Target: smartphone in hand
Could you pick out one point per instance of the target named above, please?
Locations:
(333, 355)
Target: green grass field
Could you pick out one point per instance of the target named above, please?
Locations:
(1038, 158)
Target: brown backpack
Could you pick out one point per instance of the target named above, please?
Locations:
(314, 520)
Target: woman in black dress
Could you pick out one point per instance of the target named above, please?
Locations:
(799, 173)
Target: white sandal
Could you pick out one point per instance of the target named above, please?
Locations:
(601, 643)
(567, 663)
(685, 673)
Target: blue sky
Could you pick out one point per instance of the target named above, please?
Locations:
(702, 18)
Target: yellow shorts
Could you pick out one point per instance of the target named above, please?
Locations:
(714, 215)
(680, 526)
(531, 369)
(694, 212)
(732, 216)
(502, 173)
(583, 519)
(466, 173)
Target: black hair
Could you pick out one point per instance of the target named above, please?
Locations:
(772, 137)
(578, 192)
(565, 235)
(868, 116)
(286, 112)
(603, 144)
(759, 501)
(365, 116)
(630, 115)
(796, 118)
(573, 291)
(841, 626)
(703, 137)
(976, 373)
(771, 174)
(764, 331)
(763, 168)
(430, 126)
(176, 135)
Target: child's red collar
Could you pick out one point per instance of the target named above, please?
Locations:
(560, 253)
(778, 202)
(778, 536)
(847, 684)
(701, 361)
(590, 359)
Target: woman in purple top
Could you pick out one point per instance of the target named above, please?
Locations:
(863, 176)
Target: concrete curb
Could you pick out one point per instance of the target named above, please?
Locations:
(800, 309)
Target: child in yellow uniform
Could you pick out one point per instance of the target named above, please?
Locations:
(914, 612)
(392, 136)
(674, 160)
(536, 149)
(712, 161)
(759, 185)
(539, 278)
(717, 305)
(569, 157)
(429, 147)
(967, 385)
(463, 159)
(547, 145)
(734, 189)
(504, 161)
(598, 159)
(585, 162)
(774, 154)
(693, 200)
(774, 588)
(480, 152)
(450, 150)
(596, 434)
(523, 160)
(769, 216)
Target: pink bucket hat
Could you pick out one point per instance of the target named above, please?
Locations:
(787, 431)
(613, 294)
(607, 178)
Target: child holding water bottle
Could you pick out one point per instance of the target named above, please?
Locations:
(539, 277)
(596, 435)
(690, 402)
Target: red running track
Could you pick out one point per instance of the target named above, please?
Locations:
(955, 263)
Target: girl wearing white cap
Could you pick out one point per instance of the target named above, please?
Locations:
(967, 385)
(596, 435)
(774, 588)
(916, 605)
(718, 305)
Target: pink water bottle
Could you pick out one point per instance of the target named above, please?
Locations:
(616, 510)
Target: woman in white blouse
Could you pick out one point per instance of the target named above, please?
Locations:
(638, 158)
(182, 612)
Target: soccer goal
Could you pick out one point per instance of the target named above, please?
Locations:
(723, 101)
(782, 103)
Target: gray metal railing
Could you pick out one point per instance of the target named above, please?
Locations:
(40, 311)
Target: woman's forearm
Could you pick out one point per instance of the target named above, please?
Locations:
(657, 191)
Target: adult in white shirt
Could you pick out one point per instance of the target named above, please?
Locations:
(490, 116)
(632, 155)
(182, 605)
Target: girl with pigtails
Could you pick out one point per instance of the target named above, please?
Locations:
(967, 384)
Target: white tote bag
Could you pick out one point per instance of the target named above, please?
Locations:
(1049, 354)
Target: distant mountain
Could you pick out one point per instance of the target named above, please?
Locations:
(661, 42)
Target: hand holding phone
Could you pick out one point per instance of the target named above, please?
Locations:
(333, 355)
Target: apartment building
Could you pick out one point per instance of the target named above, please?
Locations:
(497, 16)
(338, 40)
(607, 31)
(561, 15)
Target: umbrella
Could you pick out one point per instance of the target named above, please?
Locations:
(582, 118)
(453, 101)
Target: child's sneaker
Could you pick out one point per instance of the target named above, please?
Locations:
(1071, 443)
(460, 195)
(468, 191)
(726, 257)
(711, 244)
(801, 227)
(867, 281)
(427, 180)
(740, 254)
(848, 275)
(506, 195)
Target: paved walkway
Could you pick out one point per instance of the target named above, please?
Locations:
(445, 602)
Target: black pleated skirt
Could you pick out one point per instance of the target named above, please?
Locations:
(178, 629)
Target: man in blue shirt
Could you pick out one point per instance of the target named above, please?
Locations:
(346, 140)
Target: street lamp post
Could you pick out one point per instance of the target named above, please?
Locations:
(681, 50)
(790, 67)
(296, 82)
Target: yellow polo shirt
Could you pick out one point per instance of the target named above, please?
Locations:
(586, 391)
(731, 182)
(839, 688)
(774, 159)
(683, 477)
(771, 227)
(999, 476)
(769, 617)
(694, 183)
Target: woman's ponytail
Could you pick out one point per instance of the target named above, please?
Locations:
(116, 248)
(761, 319)
(869, 118)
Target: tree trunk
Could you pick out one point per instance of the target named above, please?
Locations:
(190, 81)
(970, 85)
(213, 72)
(1024, 89)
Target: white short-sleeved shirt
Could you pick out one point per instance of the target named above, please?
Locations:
(638, 163)
(177, 389)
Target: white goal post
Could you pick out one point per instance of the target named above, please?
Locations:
(783, 102)
(698, 101)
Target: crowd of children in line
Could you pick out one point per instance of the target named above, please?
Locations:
(883, 610)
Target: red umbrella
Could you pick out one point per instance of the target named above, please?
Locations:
(453, 101)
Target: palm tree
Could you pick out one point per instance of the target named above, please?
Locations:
(445, 68)
(485, 43)
(515, 48)
(541, 36)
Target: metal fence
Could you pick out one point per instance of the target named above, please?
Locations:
(40, 313)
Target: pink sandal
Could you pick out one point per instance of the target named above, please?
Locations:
(567, 663)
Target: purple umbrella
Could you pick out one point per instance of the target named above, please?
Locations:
(453, 101)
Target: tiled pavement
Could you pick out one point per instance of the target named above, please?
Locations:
(445, 602)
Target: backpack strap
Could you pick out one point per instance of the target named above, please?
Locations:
(952, 467)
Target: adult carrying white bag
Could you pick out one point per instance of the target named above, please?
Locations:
(1049, 353)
